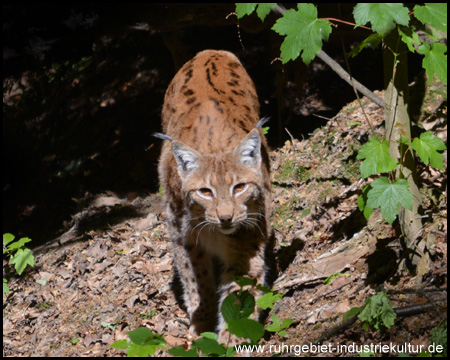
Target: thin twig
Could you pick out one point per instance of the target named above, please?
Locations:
(292, 139)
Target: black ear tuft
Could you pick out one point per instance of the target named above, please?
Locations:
(162, 136)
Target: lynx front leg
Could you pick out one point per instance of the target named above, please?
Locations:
(199, 294)
(256, 270)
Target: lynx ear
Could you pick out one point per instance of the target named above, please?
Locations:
(187, 158)
(249, 150)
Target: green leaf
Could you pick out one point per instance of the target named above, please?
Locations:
(244, 281)
(435, 60)
(246, 328)
(362, 202)
(409, 37)
(144, 342)
(427, 147)
(120, 344)
(382, 16)
(21, 259)
(231, 351)
(286, 323)
(378, 312)
(372, 41)
(135, 350)
(351, 312)
(304, 33)
(142, 336)
(209, 346)
(236, 307)
(243, 9)
(439, 337)
(389, 197)
(181, 351)
(264, 9)
(210, 335)
(246, 304)
(18, 244)
(74, 341)
(276, 324)
(7, 238)
(268, 300)
(377, 157)
(327, 281)
(230, 308)
(434, 14)
(5, 287)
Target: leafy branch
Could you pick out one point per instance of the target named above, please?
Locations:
(243, 9)
(304, 36)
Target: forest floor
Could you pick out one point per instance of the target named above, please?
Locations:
(98, 281)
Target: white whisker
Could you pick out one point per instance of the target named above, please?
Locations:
(205, 224)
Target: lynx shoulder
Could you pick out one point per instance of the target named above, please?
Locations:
(216, 183)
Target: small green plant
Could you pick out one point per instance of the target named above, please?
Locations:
(279, 326)
(377, 312)
(74, 341)
(142, 343)
(19, 255)
(328, 280)
(208, 345)
(237, 308)
(384, 193)
(439, 337)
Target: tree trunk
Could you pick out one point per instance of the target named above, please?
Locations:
(398, 125)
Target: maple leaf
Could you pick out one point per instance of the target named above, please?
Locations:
(382, 16)
(427, 147)
(21, 259)
(304, 33)
(377, 157)
(434, 14)
(262, 9)
(389, 197)
(378, 312)
(435, 60)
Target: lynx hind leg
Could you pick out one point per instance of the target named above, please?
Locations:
(199, 294)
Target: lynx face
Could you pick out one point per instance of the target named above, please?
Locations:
(228, 197)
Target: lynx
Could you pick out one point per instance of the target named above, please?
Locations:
(214, 172)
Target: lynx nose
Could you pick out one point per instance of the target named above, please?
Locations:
(225, 219)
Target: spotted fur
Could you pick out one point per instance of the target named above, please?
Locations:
(215, 178)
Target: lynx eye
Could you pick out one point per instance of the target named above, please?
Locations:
(205, 192)
(239, 188)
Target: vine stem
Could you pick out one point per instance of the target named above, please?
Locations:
(347, 23)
